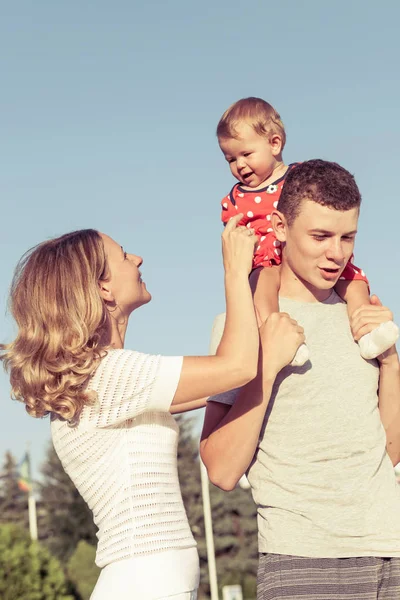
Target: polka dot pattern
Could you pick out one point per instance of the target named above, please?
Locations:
(257, 207)
(351, 272)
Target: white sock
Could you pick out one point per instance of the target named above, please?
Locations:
(301, 357)
(378, 340)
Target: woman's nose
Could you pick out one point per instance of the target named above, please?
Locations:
(138, 260)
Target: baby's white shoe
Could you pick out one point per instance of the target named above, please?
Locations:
(378, 340)
(301, 357)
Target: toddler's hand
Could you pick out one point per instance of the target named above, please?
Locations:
(281, 336)
(238, 246)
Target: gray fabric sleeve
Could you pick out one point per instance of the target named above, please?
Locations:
(216, 335)
(225, 397)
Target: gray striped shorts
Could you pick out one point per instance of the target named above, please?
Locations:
(298, 578)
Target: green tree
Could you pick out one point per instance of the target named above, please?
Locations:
(189, 476)
(27, 570)
(82, 570)
(65, 516)
(234, 520)
(13, 501)
(235, 538)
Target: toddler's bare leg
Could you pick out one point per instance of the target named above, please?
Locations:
(355, 293)
(265, 283)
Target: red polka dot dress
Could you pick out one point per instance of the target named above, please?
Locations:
(257, 206)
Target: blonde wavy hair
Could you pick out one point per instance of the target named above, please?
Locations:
(62, 323)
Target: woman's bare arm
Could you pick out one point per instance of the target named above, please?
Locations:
(235, 362)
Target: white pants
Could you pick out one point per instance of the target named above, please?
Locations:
(172, 575)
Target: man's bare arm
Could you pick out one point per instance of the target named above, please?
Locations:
(364, 320)
(389, 402)
(230, 434)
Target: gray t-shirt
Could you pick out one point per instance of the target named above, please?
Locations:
(321, 478)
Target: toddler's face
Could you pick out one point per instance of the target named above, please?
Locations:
(252, 158)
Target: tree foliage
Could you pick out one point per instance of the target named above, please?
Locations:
(235, 538)
(233, 515)
(66, 518)
(13, 502)
(82, 570)
(27, 570)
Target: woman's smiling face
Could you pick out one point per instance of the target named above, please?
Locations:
(124, 283)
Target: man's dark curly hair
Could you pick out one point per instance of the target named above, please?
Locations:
(323, 182)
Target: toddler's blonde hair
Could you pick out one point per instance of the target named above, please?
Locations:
(256, 112)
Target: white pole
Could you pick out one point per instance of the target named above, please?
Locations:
(212, 568)
(31, 500)
(32, 516)
(216, 334)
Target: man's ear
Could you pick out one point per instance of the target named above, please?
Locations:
(279, 225)
(105, 291)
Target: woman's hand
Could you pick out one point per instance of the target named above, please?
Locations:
(238, 247)
(281, 336)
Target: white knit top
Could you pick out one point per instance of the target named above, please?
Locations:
(122, 457)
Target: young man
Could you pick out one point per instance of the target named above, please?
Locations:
(319, 442)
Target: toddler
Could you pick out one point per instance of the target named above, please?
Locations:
(251, 136)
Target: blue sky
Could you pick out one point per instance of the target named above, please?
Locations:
(108, 114)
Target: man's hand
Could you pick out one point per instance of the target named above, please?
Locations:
(367, 318)
(280, 337)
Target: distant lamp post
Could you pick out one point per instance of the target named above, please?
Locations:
(25, 484)
(216, 334)
(230, 592)
(212, 566)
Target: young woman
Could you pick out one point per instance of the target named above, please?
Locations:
(111, 407)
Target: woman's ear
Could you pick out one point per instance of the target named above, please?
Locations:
(105, 291)
(279, 225)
